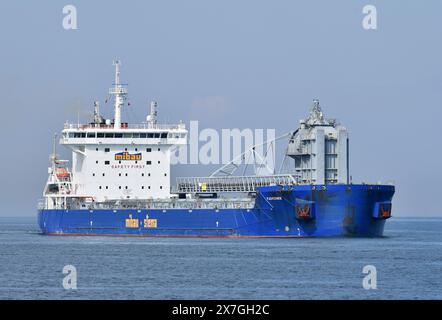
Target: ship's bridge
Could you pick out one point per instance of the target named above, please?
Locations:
(131, 162)
(136, 134)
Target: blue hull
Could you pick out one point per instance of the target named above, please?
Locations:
(280, 211)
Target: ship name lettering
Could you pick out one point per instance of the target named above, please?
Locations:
(128, 156)
(150, 223)
(132, 223)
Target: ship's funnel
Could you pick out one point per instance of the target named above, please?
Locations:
(152, 117)
(98, 119)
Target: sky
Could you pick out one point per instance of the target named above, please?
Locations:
(229, 64)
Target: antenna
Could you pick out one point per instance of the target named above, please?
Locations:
(117, 63)
(54, 157)
(120, 94)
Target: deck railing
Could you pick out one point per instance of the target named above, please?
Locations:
(153, 126)
(190, 204)
(231, 183)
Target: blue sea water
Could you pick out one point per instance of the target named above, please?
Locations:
(408, 263)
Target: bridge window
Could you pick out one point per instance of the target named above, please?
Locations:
(79, 134)
(100, 134)
(143, 135)
(118, 135)
(164, 135)
(91, 134)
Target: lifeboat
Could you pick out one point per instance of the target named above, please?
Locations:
(61, 173)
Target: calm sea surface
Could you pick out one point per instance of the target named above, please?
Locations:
(408, 262)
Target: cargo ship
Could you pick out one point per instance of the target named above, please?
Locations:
(119, 184)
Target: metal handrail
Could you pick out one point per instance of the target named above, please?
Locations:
(152, 126)
(189, 204)
(231, 183)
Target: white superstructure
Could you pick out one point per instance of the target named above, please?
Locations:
(113, 160)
